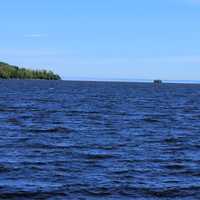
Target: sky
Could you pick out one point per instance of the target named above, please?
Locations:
(103, 39)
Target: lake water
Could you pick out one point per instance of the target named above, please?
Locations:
(95, 140)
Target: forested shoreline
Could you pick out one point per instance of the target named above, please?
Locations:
(14, 72)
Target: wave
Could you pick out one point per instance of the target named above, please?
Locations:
(51, 130)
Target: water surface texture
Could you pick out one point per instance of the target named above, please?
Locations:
(89, 141)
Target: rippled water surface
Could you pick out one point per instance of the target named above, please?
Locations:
(88, 140)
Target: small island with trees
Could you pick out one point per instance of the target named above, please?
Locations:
(14, 72)
(157, 81)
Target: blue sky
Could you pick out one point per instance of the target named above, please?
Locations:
(104, 39)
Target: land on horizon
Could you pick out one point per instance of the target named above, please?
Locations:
(8, 71)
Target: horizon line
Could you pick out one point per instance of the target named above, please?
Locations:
(129, 80)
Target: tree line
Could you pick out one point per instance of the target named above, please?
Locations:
(14, 72)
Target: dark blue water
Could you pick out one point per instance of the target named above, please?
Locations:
(87, 140)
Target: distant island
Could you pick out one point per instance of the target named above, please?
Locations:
(14, 72)
(157, 81)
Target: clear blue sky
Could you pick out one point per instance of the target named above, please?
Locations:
(104, 39)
